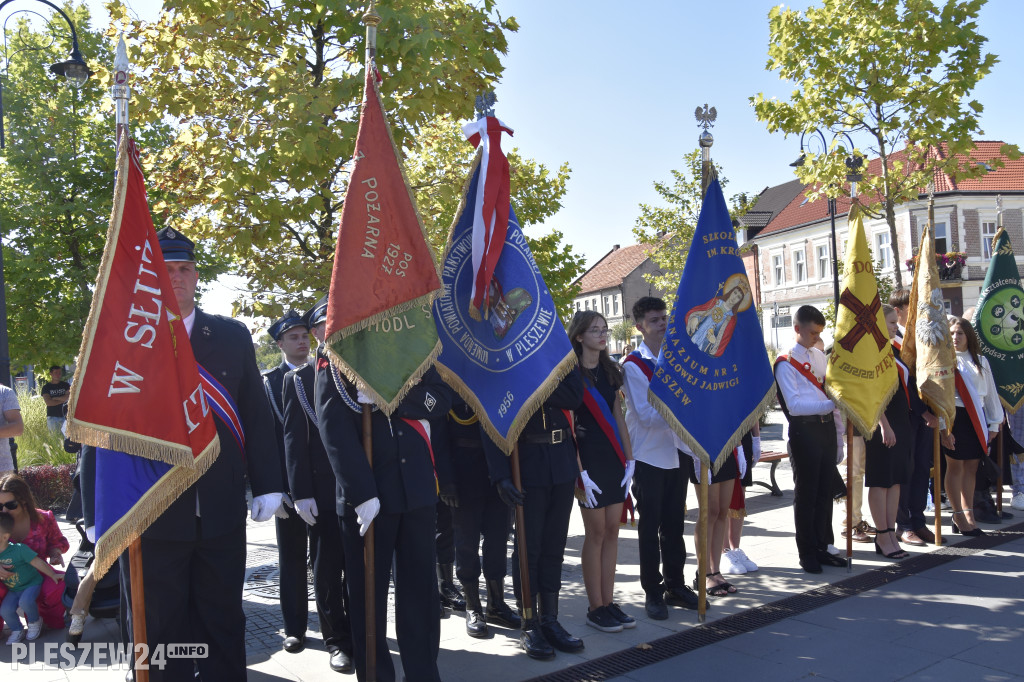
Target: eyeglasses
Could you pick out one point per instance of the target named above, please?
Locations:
(597, 331)
(12, 505)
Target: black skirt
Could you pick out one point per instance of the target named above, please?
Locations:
(729, 471)
(885, 467)
(967, 445)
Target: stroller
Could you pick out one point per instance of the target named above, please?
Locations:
(106, 598)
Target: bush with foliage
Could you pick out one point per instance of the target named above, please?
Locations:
(50, 484)
(37, 445)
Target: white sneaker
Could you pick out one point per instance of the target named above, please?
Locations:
(1018, 501)
(745, 560)
(833, 551)
(34, 629)
(15, 637)
(731, 563)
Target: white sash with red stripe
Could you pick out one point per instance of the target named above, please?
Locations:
(975, 408)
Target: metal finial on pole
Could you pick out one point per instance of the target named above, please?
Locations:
(120, 92)
(484, 105)
(706, 117)
(371, 19)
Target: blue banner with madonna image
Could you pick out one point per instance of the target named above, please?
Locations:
(713, 379)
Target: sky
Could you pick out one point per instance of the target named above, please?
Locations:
(611, 88)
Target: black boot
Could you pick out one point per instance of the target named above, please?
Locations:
(476, 625)
(498, 612)
(552, 629)
(531, 638)
(450, 596)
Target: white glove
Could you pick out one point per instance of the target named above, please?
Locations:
(307, 511)
(741, 460)
(363, 399)
(90, 533)
(286, 503)
(840, 442)
(366, 513)
(756, 449)
(627, 479)
(265, 506)
(589, 488)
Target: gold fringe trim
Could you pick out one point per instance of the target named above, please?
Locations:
(361, 384)
(1009, 407)
(666, 413)
(148, 509)
(427, 298)
(848, 413)
(132, 443)
(102, 276)
(543, 392)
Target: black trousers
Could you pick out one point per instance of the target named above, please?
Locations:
(546, 514)
(485, 516)
(291, 563)
(325, 550)
(407, 541)
(914, 495)
(814, 469)
(193, 594)
(661, 503)
(445, 535)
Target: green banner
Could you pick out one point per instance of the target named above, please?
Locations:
(387, 357)
(999, 319)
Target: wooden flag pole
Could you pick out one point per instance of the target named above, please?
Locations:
(524, 564)
(138, 610)
(937, 486)
(702, 551)
(849, 496)
(999, 476)
(369, 563)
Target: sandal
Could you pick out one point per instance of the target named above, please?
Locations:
(729, 587)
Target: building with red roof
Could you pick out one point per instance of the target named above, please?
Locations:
(790, 256)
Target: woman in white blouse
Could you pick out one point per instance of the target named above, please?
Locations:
(965, 446)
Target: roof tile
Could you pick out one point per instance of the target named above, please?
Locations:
(614, 267)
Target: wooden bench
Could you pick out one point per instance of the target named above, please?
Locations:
(774, 458)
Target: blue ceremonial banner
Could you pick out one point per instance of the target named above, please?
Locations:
(508, 363)
(713, 379)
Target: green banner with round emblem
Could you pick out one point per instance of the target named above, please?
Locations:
(999, 320)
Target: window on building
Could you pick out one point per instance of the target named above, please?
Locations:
(780, 270)
(947, 306)
(800, 265)
(988, 232)
(941, 238)
(824, 262)
(616, 303)
(607, 305)
(883, 249)
(782, 321)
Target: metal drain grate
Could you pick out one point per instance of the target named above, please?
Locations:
(629, 660)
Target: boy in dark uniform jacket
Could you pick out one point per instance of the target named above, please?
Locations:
(398, 495)
(548, 467)
(312, 484)
(292, 337)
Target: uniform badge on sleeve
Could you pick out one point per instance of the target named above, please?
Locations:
(429, 402)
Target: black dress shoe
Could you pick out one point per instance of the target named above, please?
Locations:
(826, 559)
(532, 641)
(341, 662)
(810, 564)
(476, 625)
(681, 596)
(294, 645)
(656, 609)
(1006, 515)
(986, 516)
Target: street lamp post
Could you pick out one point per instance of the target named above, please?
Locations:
(77, 72)
(853, 164)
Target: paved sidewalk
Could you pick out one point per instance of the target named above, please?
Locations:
(959, 620)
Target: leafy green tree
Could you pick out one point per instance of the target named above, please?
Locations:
(897, 72)
(623, 331)
(266, 97)
(671, 226)
(56, 184)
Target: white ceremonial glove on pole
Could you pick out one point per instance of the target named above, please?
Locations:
(756, 449)
(589, 488)
(741, 460)
(90, 534)
(307, 511)
(840, 448)
(363, 399)
(366, 513)
(627, 479)
(265, 506)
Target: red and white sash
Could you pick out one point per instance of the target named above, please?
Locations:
(975, 408)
